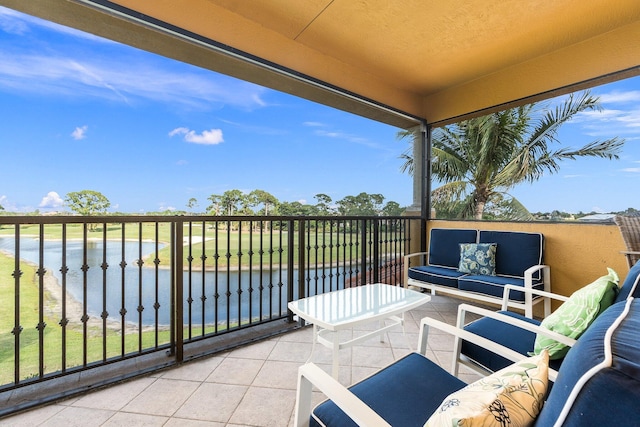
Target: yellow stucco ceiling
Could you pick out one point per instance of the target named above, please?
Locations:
(439, 59)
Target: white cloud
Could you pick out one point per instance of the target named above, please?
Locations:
(124, 78)
(631, 170)
(51, 201)
(79, 133)
(313, 124)
(610, 122)
(11, 23)
(347, 137)
(14, 22)
(207, 137)
(619, 97)
(178, 131)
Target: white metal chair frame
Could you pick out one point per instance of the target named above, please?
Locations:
(310, 375)
(463, 309)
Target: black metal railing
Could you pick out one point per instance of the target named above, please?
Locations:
(82, 292)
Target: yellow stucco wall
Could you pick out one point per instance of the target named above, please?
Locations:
(577, 253)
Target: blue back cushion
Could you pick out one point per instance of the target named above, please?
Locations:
(630, 287)
(503, 333)
(606, 392)
(516, 251)
(444, 245)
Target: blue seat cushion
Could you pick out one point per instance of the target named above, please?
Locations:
(602, 371)
(494, 285)
(405, 393)
(510, 336)
(444, 245)
(516, 252)
(436, 275)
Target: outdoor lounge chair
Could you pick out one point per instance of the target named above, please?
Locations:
(514, 330)
(630, 230)
(598, 384)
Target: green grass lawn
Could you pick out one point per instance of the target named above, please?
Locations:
(29, 338)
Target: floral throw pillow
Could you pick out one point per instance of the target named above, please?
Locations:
(575, 315)
(478, 258)
(512, 397)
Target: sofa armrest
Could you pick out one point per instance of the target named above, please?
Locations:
(310, 375)
(406, 265)
(528, 285)
(531, 292)
(458, 332)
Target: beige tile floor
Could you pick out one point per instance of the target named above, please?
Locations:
(249, 386)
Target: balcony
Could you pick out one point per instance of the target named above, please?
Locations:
(236, 342)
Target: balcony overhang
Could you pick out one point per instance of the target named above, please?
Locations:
(395, 62)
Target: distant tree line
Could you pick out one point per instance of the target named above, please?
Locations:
(254, 203)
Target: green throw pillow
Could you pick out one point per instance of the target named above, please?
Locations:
(575, 315)
(513, 396)
(478, 258)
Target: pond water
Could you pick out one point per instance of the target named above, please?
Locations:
(136, 287)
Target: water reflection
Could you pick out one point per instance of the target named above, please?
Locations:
(132, 291)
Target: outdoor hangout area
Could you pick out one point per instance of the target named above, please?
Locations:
(403, 379)
(460, 307)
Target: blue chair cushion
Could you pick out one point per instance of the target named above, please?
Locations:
(510, 336)
(602, 371)
(494, 285)
(436, 275)
(444, 245)
(405, 393)
(516, 252)
(630, 286)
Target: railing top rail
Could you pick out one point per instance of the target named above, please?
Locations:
(78, 219)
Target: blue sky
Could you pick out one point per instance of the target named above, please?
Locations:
(79, 112)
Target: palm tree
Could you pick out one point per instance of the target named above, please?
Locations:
(479, 160)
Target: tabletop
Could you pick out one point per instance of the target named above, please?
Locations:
(362, 304)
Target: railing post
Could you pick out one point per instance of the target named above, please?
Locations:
(178, 289)
(363, 255)
(291, 262)
(376, 250)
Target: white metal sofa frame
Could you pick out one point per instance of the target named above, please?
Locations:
(529, 298)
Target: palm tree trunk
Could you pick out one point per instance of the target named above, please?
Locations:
(479, 210)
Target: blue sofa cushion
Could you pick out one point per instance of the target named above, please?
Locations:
(404, 394)
(600, 376)
(436, 275)
(510, 336)
(517, 251)
(444, 245)
(494, 285)
(630, 286)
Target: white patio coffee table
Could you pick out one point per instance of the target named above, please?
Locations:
(334, 311)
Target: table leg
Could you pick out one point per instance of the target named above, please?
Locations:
(336, 355)
(313, 342)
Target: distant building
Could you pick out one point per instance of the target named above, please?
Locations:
(603, 218)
